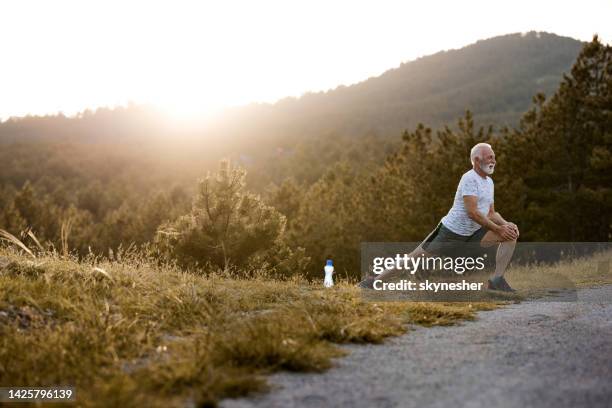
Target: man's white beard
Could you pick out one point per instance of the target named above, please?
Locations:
(487, 168)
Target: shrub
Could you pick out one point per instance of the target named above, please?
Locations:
(228, 226)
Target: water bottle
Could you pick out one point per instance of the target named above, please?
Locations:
(329, 270)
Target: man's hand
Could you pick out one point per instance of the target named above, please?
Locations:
(508, 231)
(513, 225)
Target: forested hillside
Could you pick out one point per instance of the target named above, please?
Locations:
(299, 137)
(494, 78)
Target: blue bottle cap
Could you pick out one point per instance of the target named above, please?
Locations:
(329, 262)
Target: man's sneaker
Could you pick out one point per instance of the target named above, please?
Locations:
(499, 283)
(505, 286)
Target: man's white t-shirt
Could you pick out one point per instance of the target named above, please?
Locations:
(457, 219)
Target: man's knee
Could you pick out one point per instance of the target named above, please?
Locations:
(493, 238)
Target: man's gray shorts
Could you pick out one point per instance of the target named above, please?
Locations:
(442, 241)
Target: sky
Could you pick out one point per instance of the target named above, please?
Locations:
(195, 57)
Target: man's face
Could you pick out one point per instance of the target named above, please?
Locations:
(486, 161)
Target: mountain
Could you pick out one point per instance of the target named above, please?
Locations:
(494, 78)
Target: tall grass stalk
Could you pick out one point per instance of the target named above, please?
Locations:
(7, 236)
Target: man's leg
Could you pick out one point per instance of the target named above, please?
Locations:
(418, 251)
(388, 273)
(504, 251)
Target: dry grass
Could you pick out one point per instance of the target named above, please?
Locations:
(536, 280)
(445, 314)
(131, 333)
(10, 238)
(134, 334)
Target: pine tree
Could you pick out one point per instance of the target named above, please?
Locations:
(228, 226)
(560, 157)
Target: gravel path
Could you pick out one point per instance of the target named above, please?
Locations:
(532, 354)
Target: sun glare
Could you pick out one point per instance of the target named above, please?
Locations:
(193, 57)
(188, 109)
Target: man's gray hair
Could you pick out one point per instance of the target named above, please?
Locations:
(475, 152)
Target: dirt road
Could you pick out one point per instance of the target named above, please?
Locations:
(532, 354)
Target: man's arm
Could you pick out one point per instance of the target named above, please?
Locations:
(495, 216)
(493, 222)
(499, 220)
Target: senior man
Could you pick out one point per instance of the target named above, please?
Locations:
(471, 219)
